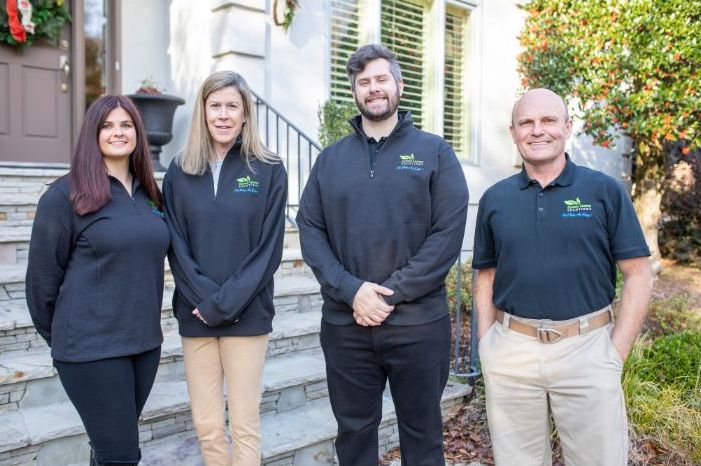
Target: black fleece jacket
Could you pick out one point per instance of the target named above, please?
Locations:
(226, 247)
(95, 282)
(398, 221)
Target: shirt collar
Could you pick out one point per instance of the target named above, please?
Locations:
(565, 178)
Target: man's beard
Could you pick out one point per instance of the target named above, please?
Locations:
(392, 105)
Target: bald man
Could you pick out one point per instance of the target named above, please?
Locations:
(547, 244)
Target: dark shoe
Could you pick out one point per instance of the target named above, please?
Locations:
(93, 461)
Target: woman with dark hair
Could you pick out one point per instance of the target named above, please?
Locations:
(225, 198)
(95, 277)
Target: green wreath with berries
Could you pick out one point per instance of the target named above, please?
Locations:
(23, 22)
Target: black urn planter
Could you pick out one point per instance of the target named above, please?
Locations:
(157, 111)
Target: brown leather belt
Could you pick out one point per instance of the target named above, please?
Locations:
(548, 331)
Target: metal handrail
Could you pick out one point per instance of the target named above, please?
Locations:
(458, 356)
(296, 149)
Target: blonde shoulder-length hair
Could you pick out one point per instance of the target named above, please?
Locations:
(199, 149)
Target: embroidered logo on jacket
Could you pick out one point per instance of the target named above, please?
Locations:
(155, 208)
(576, 208)
(246, 185)
(409, 162)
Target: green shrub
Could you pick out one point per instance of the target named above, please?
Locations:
(466, 288)
(333, 121)
(675, 360)
(619, 283)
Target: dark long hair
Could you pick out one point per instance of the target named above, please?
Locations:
(90, 185)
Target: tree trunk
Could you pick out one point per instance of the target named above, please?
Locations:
(647, 201)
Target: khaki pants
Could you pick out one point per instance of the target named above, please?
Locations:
(238, 360)
(577, 379)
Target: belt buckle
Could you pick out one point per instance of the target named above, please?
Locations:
(545, 331)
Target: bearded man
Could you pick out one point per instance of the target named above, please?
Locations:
(381, 221)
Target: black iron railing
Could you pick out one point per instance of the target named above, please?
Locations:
(297, 150)
(465, 357)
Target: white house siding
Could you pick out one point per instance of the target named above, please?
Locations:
(179, 42)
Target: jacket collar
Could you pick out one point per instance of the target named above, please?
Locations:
(404, 120)
(236, 148)
(135, 182)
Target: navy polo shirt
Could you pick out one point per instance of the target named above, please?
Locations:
(555, 247)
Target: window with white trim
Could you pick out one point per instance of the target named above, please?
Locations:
(402, 28)
(413, 30)
(456, 117)
(345, 32)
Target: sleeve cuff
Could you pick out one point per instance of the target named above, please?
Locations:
(631, 254)
(210, 313)
(348, 288)
(397, 297)
(483, 264)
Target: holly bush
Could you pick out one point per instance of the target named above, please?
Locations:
(632, 65)
(629, 67)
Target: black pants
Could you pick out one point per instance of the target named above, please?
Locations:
(359, 361)
(109, 395)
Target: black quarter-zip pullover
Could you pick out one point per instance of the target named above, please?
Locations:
(396, 219)
(95, 282)
(226, 247)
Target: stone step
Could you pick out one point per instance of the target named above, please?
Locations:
(288, 384)
(26, 376)
(15, 234)
(17, 207)
(14, 243)
(12, 275)
(295, 291)
(301, 437)
(19, 172)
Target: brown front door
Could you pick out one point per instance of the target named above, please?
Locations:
(35, 104)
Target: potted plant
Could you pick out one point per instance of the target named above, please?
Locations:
(157, 110)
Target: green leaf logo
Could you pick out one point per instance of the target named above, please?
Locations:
(572, 203)
(407, 157)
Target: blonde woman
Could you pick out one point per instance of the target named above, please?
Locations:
(224, 202)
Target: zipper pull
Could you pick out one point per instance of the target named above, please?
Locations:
(372, 173)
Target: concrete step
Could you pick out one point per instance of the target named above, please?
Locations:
(301, 437)
(295, 291)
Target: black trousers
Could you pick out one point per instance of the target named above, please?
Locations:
(359, 361)
(109, 395)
